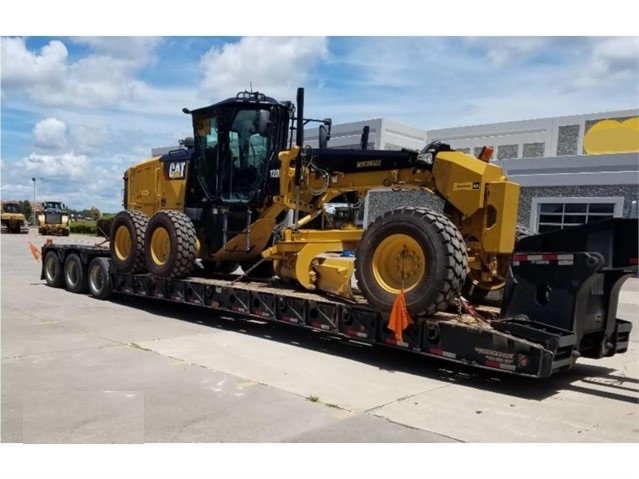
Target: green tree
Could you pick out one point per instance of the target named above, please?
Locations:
(25, 205)
(96, 214)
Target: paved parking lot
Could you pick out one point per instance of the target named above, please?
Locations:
(79, 370)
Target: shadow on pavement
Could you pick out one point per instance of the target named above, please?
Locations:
(589, 377)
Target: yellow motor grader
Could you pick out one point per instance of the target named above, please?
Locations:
(224, 198)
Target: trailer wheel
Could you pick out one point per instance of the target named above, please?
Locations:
(421, 245)
(479, 292)
(99, 279)
(127, 241)
(53, 270)
(75, 277)
(170, 244)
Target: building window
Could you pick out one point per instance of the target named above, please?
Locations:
(557, 213)
(567, 140)
(507, 152)
(534, 150)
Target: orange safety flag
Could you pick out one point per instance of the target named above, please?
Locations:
(399, 317)
(34, 251)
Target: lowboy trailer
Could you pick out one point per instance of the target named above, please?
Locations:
(559, 304)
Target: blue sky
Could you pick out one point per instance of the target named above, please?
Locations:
(77, 111)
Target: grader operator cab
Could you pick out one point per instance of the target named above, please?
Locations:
(13, 219)
(225, 197)
(53, 219)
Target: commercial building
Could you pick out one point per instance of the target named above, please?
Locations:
(572, 169)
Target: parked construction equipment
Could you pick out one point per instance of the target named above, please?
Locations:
(194, 214)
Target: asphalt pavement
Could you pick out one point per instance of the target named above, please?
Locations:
(79, 370)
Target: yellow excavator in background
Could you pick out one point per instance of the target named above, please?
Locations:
(223, 200)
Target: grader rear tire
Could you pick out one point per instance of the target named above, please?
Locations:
(420, 245)
(127, 241)
(170, 244)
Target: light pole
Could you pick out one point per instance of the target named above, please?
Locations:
(34, 200)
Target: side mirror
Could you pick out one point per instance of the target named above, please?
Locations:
(262, 122)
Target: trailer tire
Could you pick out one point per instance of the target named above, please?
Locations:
(170, 244)
(53, 270)
(75, 276)
(99, 279)
(425, 242)
(478, 295)
(127, 241)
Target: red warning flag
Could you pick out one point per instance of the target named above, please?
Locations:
(34, 251)
(399, 317)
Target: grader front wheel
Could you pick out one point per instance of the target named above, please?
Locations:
(414, 249)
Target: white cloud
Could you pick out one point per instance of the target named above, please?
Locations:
(23, 69)
(50, 134)
(502, 50)
(274, 65)
(139, 49)
(67, 165)
(611, 59)
(77, 180)
(98, 80)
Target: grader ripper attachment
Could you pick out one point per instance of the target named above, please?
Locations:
(223, 200)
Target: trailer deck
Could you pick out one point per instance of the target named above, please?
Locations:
(559, 303)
